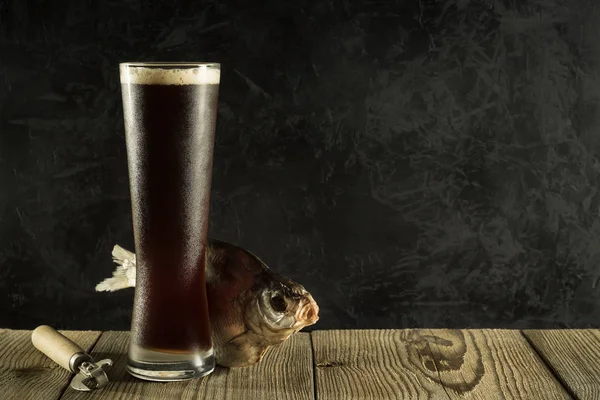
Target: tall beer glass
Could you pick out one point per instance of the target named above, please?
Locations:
(170, 113)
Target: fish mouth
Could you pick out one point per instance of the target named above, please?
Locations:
(308, 314)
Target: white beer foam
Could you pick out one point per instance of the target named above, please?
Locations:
(201, 75)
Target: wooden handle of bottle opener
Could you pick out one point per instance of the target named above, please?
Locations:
(56, 346)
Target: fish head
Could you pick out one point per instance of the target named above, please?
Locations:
(281, 308)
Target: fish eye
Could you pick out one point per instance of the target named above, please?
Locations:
(278, 303)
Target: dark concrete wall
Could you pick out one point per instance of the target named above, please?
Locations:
(418, 163)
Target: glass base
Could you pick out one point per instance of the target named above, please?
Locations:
(165, 367)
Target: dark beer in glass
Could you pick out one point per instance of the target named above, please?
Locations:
(170, 113)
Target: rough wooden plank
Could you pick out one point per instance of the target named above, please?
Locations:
(286, 372)
(26, 373)
(430, 364)
(573, 355)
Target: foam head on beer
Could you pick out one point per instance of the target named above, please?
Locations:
(201, 75)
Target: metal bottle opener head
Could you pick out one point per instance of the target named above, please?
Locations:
(92, 375)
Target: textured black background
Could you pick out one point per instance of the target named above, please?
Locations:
(427, 163)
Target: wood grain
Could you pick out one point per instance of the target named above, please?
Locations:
(286, 372)
(573, 355)
(26, 373)
(430, 364)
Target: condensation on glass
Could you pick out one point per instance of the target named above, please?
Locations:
(170, 114)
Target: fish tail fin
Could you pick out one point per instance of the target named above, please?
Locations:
(117, 282)
(122, 256)
(124, 275)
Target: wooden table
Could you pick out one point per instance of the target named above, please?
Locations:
(341, 364)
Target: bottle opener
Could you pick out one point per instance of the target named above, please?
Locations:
(90, 375)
